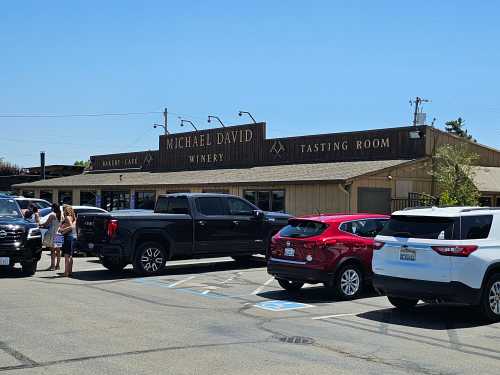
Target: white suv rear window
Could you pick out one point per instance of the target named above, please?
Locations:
(439, 228)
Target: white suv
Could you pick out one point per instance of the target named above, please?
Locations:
(435, 254)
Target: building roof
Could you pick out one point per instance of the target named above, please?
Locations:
(487, 179)
(339, 171)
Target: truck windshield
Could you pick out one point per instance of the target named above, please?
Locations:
(172, 205)
(8, 207)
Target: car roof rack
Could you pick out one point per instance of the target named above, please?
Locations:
(417, 208)
(480, 209)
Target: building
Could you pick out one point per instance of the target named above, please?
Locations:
(375, 170)
(34, 174)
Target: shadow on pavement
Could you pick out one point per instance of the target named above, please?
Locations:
(316, 295)
(170, 270)
(429, 316)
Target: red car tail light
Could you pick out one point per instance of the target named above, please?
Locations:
(112, 228)
(377, 245)
(455, 251)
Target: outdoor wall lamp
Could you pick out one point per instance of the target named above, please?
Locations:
(161, 126)
(240, 113)
(215, 117)
(189, 122)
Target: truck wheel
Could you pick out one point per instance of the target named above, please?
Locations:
(403, 303)
(490, 300)
(113, 264)
(291, 286)
(29, 268)
(150, 259)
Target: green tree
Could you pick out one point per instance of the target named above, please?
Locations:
(82, 163)
(454, 175)
(8, 169)
(457, 127)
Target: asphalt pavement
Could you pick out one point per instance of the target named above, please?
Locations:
(215, 316)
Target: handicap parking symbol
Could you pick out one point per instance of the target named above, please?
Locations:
(281, 305)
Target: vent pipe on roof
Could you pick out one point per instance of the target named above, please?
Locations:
(42, 165)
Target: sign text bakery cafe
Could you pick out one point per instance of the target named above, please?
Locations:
(247, 145)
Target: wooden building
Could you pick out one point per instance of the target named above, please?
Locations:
(366, 171)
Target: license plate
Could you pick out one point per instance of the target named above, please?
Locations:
(407, 255)
(289, 251)
(4, 261)
(91, 246)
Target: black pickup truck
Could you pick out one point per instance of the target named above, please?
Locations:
(182, 226)
(20, 240)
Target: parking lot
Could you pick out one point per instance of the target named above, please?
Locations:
(217, 316)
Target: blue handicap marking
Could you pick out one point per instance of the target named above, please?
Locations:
(281, 305)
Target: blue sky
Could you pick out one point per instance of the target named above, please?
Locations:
(303, 67)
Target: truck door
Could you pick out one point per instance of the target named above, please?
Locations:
(213, 228)
(248, 236)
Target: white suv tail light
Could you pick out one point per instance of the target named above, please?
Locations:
(455, 251)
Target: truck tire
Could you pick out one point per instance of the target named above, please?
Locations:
(29, 268)
(150, 259)
(113, 264)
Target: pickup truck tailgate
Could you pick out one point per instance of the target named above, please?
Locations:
(92, 227)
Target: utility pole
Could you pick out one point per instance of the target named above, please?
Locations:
(165, 115)
(418, 101)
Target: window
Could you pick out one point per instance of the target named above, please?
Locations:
(145, 200)
(115, 200)
(173, 205)
(240, 207)
(211, 206)
(475, 227)
(47, 195)
(28, 193)
(442, 228)
(363, 228)
(65, 197)
(267, 200)
(498, 202)
(88, 198)
(302, 229)
(485, 201)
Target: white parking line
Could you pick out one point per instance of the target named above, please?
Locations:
(181, 281)
(331, 316)
(261, 288)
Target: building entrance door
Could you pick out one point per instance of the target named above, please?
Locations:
(374, 200)
(115, 200)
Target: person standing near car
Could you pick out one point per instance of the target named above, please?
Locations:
(52, 225)
(68, 230)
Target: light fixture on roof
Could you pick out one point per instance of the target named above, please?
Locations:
(241, 113)
(188, 122)
(218, 119)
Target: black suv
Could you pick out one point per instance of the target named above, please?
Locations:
(20, 240)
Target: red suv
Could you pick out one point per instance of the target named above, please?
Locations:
(335, 250)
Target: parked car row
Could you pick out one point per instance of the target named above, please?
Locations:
(430, 254)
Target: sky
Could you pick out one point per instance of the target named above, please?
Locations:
(304, 67)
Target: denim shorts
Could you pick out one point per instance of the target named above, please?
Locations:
(68, 246)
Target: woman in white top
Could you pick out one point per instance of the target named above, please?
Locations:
(52, 225)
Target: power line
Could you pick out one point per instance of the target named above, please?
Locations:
(34, 115)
